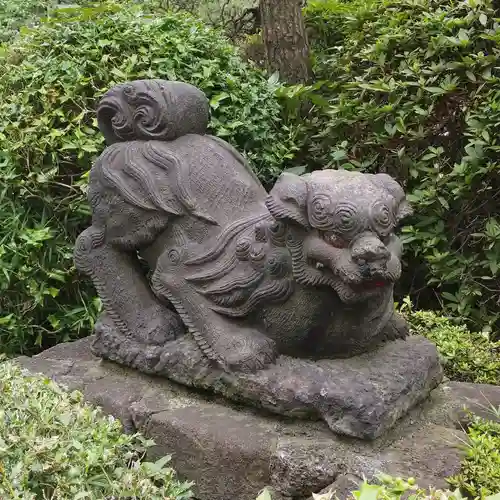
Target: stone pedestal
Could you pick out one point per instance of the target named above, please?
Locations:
(361, 396)
(232, 452)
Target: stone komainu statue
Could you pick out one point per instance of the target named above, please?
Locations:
(304, 271)
(283, 300)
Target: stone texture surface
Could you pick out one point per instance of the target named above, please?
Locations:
(457, 400)
(233, 452)
(361, 397)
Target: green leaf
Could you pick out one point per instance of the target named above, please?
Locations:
(471, 76)
(450, 297)
(463, 35)
(65, 418)
(274, 78)
(265, 494)
(119, 73)
(368, 491)
(82, 494)
(5, 320)
(435, 90)
(217, 99)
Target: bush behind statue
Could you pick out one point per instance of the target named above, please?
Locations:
(51, 78)
(412, 88)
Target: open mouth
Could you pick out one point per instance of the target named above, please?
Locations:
(371, 284)
(366, 284)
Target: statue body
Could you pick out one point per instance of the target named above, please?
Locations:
(306, 270)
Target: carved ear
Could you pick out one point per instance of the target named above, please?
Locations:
(288, 199)
(404, 210)
(386, 182)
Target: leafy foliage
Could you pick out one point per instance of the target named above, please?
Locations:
(14, 15)
(395, 488)
(388, 488)
(412, 88)
(233, 16)
(52, 445)
(330, 22)
(466, 356)
(51, 77)
(480, 471)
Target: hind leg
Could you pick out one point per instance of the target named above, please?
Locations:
(124, 290)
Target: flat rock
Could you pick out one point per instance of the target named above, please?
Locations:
(232, 452)
(362, 396)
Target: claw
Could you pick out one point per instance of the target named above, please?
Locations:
(246, 368)
(269, 359)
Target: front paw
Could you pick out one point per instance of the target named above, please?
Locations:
(161, 325)
(396, 328)
(248, 351)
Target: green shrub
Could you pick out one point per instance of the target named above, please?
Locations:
(52, 445)
(466, 356)
(480, 471)
(329, 22)
(16, 13)
(388, 488)
(50, 80)
(392, 488)
(412, 88)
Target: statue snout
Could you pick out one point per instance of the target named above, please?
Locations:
(368, 251)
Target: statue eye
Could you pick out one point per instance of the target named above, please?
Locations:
(334, 240)
(346, 217)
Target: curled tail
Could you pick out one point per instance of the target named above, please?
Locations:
(147, 110)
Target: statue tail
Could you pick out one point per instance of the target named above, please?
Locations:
(145, 110)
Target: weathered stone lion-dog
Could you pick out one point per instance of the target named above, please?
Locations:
(306, 270)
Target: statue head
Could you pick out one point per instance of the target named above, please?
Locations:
(341, 229)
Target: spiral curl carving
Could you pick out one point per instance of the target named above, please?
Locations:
(261, 232)
(382, 217)
(279, 265)
(277, 233)
(346, 217)
(243, 248)
(116, 112)
(257, 256)
(152, 110)
(89, 240)
(149, 119)
(320, 214)
(174, 256)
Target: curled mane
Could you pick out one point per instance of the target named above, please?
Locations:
(263, 276)
(147, 175)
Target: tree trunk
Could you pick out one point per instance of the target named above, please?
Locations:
(285, 40)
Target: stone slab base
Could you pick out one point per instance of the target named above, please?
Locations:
(362, 396)
(233, 452)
